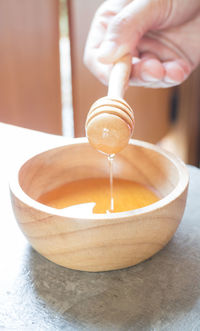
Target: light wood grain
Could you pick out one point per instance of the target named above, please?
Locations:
(100, 242)
(110, 120)
(30, 72)
(109, 125)
(119, 77)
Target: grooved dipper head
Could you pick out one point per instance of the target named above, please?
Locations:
(109, 125)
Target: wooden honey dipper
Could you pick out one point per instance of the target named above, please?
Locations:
(110, 120)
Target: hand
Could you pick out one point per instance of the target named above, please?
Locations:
(163, 37)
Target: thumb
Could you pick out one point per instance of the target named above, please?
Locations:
(126, 28)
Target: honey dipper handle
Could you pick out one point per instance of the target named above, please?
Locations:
(119, 77)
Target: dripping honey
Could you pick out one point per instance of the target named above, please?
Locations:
(95, 193)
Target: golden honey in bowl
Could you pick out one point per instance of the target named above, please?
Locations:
(92, 195)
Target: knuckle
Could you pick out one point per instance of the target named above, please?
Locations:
(119, 23)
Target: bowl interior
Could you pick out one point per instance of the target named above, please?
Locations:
(140, 162)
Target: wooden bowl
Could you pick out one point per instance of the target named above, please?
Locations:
(100, 242)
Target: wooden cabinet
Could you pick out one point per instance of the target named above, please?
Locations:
(29, 64)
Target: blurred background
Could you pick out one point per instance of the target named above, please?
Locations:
(45, 86)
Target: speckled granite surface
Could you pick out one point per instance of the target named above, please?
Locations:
(162, 293)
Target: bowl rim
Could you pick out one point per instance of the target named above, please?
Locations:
(182, 184)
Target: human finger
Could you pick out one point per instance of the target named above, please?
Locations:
(176, 71)
(148, 69)
(126, 29)
(96, 35)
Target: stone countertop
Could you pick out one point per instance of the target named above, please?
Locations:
(162, 293)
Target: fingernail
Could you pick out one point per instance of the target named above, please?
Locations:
(148, 78)
(107, 48)
(170, 80)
